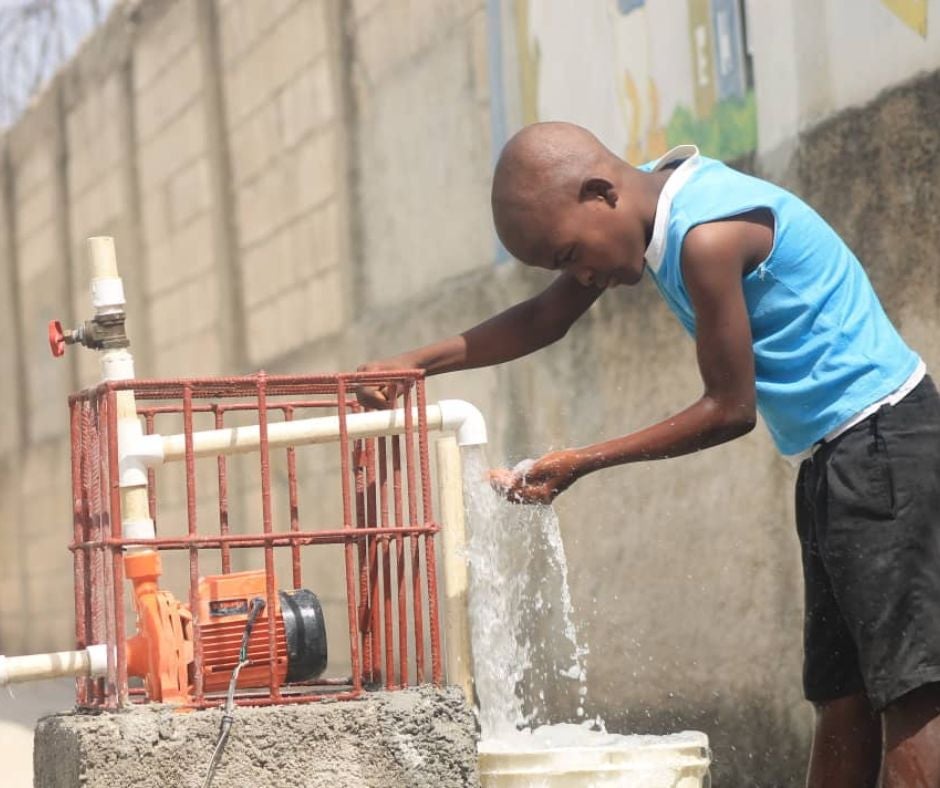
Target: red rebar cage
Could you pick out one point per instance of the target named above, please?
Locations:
(271, 510)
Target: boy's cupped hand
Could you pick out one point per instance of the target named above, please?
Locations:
(538, 482)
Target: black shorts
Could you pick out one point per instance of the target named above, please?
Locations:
(868, 516)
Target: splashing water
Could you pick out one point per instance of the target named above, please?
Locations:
(519, 585)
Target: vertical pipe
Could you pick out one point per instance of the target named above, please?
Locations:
(386, 566)
(222, 466)
(292, 503)
(267, 527)
(400, 573)
(415, 540)
(344, 452)
(193, 550)
(454, 551)
(427, 518)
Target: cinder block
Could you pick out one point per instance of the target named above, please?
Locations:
(175, 146)
(262, 333)
(267, 268)
(189, 192)
(317, 169)
(162, 100)
(243, 22)
(155, 217)
(255, 141)
(263, 204)
(315, 239)
(200, 300)
(34, 209)
(298, 40)
(162, 43)
(193, 246)
(38, 252)
(307, 102)
(324, 305)
(34, 168)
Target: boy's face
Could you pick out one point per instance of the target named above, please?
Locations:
(596, 239)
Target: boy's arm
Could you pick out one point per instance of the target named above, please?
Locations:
(517, 331)
(714, 259)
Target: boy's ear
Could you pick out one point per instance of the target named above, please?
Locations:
(598, 188)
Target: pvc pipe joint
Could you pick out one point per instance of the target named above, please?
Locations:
(465, 419)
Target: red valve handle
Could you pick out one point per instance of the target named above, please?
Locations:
(56, 338)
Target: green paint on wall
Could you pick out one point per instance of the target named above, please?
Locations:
(728, 132)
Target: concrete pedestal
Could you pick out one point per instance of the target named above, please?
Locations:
(413, 738)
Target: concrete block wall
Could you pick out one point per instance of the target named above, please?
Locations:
(283, 121)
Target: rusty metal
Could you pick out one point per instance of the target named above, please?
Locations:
(377, 475)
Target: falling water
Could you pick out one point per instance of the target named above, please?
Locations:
(512, 594)
(525, 643)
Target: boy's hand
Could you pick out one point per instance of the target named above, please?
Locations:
(383, 397)
(540, 482)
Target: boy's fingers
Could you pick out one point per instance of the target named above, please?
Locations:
(372, 397)
(501, 479)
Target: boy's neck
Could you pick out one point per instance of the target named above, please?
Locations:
(651, 186)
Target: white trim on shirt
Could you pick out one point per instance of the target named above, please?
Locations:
(657, 246)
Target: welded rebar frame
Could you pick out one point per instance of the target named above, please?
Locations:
(388, 553)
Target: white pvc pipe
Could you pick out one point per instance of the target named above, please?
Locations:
(90, 661)
(107, 296)
(143, 451)
(457, 649)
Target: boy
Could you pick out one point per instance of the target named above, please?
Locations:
(785, 320)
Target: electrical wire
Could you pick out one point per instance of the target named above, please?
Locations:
(228, 714)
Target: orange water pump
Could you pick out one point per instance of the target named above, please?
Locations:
(162, 651)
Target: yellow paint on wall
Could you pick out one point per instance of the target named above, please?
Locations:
(912, 13)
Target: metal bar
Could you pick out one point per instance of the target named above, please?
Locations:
(415, 545)
(191, 523)
(98, 589)
(375, 623)
(293, 504)
(78, 519)
(400, 564)
(223, 495)
(344, 452)
(434, 624)
(116, 557)
(340, 536)
(360, 456)
(386, 566)
(267, 527)
(151, 476)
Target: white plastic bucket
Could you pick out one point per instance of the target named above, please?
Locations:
(679, 760)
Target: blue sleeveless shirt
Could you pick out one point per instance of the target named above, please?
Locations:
(824, 349)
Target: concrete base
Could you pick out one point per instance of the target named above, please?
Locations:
(412, 738)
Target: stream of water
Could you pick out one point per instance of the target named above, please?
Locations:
(521, 615)
(525, 642)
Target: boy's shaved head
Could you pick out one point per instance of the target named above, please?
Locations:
(541, 168)
(563, 201)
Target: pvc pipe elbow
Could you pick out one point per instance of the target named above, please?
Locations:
(137, 453)
(465, 419)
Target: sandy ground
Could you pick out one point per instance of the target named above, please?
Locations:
(19, 711)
